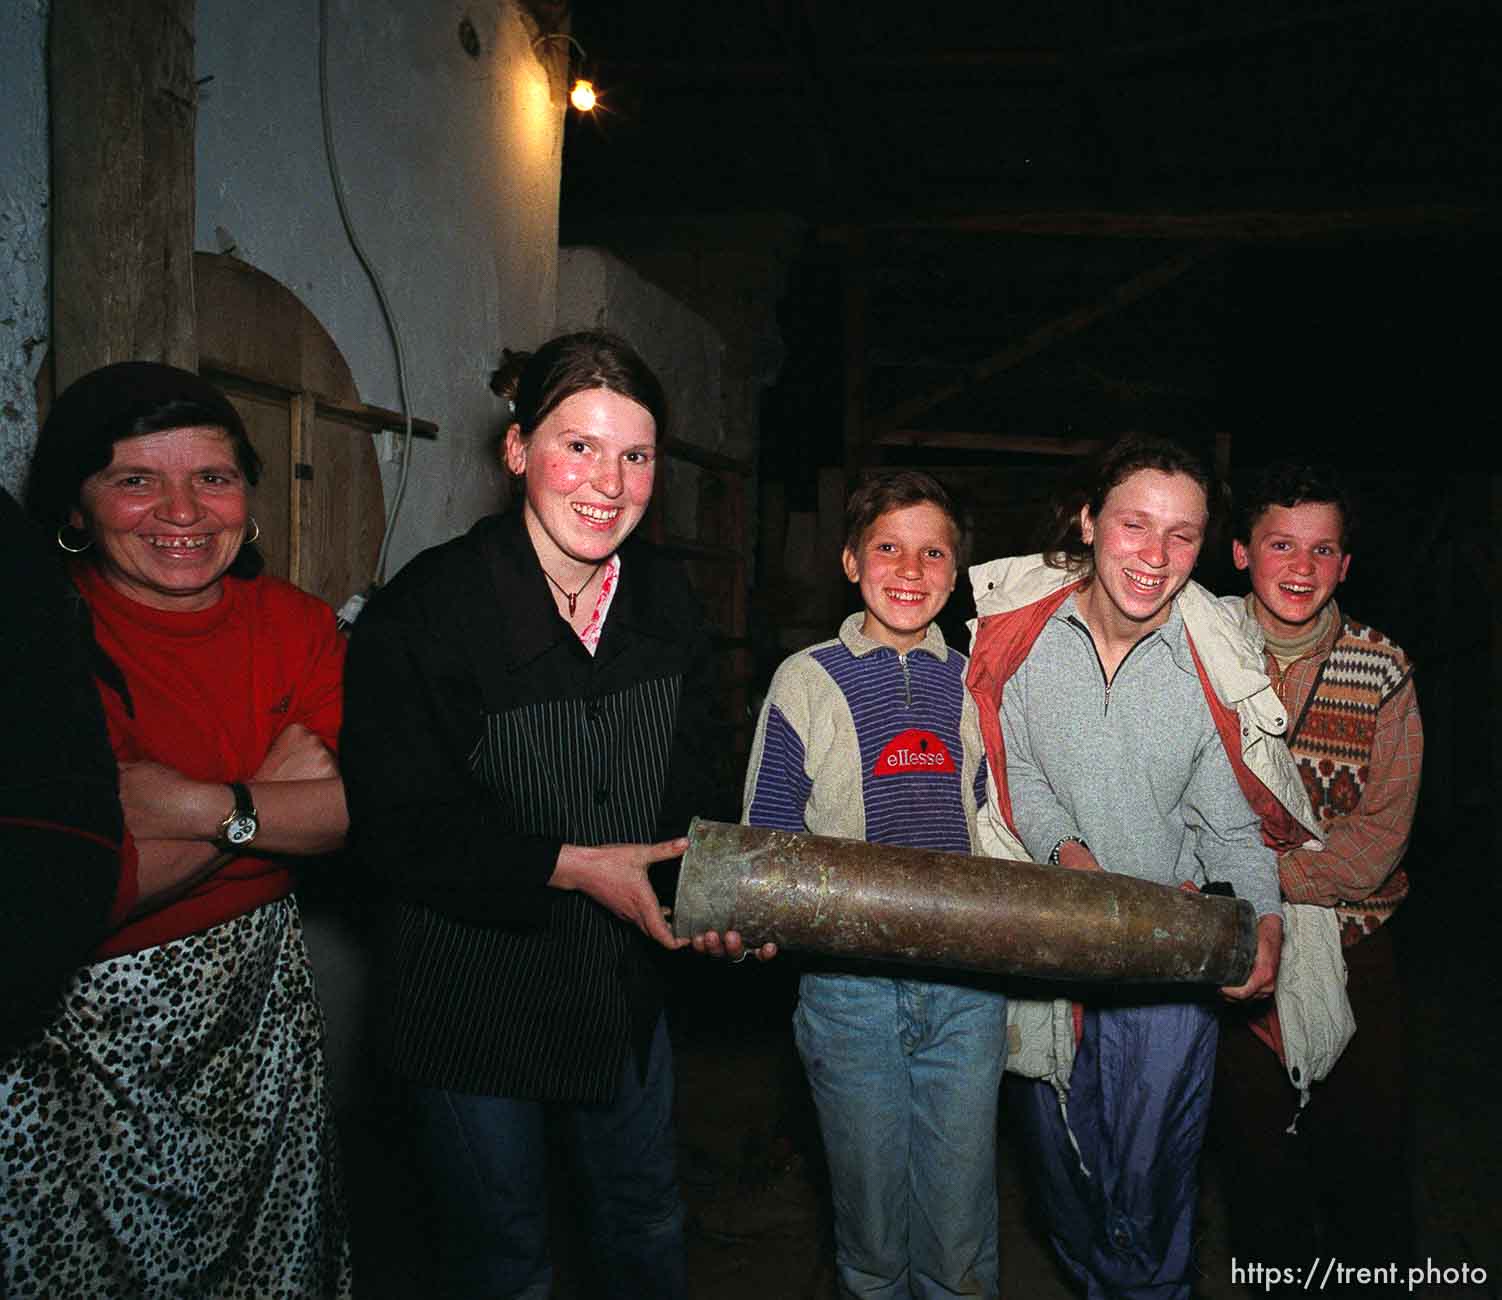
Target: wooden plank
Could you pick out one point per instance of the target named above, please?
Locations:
(771, 75)
(927, 67)
(800, 544)
(1223, 456)
(1227, 39)
(964, 441)
(266, 421)
(1270, 225)
(688, 549)
(301, 413)
(360, 416)
(831, 526)
(774, 525)
(123, 108)
(343, 512)
(736, 511)
(252, 325)
(704, 458)
(372, 419)
(1071, 323)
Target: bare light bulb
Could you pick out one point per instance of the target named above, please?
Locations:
(582, 96)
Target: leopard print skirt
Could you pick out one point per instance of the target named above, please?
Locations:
(168, 1135)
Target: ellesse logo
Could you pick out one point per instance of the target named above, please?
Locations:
(913, 751)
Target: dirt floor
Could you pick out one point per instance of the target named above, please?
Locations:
(752, 1177)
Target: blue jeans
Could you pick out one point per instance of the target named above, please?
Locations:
(487, 1162)
(1139, 1103)
(905, 1074)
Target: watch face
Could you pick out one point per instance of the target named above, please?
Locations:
(241, 830)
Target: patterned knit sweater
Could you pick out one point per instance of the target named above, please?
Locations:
(1358, 740)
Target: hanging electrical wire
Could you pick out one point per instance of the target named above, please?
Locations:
(351, 608)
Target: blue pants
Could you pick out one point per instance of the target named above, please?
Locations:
(1138, 1105)
(904, 1074)
(487, 1163)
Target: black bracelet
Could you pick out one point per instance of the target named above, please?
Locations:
(1053, 858)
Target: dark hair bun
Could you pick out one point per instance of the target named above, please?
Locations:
(505, 378)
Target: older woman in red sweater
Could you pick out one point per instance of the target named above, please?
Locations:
(168, 1130)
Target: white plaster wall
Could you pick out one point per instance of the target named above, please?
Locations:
(450, 166)
(596, 290)
(23, 229)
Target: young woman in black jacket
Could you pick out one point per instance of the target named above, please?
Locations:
(524, 738)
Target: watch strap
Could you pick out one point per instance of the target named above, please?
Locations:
(240, 824)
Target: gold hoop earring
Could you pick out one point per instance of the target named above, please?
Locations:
(255, 536)
(72, 550)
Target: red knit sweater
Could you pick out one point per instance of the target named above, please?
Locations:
(209, 692)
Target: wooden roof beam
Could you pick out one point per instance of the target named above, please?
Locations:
(770, 73)
(956, 440)
(1066, 326)
(1244, 226)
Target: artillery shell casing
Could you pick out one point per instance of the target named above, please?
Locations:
(849, 898)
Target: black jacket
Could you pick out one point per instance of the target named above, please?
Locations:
(480, 736)
(60, 818)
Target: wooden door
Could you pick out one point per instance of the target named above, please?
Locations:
(320, 503)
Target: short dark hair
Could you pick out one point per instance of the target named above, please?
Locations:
(537, 383)
(878, 491)
(125, 400)
(1293, 483)
(1108, 469)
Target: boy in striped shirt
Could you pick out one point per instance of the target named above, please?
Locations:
(871, 735)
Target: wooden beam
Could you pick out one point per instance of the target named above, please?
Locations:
(374, 419)
(301, 417)
(123, 106)
(688, 549)
(770, 75)
(1243, 226)
(926, 67)
(1230, 38)
(1135, 289)
(704, 458)
(1223, 456)
(955, 440)
(902, 359)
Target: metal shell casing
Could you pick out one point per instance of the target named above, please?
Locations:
(849, 898)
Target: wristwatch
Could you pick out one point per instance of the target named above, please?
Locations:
(1053, 858)
(240, 826)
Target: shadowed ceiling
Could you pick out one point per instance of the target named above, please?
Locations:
(1031, 225)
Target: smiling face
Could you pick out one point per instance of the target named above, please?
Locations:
(167, 516)
(905, 567)
(589, 467)
(1145, 542)
(1296, 561)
